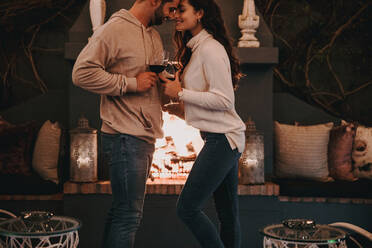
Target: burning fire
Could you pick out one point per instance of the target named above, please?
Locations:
(176, 152)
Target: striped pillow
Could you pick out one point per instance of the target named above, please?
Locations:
(301, 151)
(46, 151)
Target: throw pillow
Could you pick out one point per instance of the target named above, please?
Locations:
(4, 124)
(362, 152)
(16, 143)
(46, 152)
(339, 152)
(301, 151)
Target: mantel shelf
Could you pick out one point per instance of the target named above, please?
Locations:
(259, 55)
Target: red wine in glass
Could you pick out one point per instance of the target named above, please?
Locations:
(157, 68)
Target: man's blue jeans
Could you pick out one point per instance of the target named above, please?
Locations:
(215, 172)
(130, 160)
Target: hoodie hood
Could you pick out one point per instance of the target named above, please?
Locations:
(147, 32)
(126, 15)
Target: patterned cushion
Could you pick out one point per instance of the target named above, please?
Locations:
(22, 185)
(4, 124)
(301, 151)
(16, 146)
(362, 152)
(339, 152)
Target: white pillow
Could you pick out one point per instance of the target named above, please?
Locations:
(46, 151)
(301, 151)
(362, 152)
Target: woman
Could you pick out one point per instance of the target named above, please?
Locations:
(209, 75)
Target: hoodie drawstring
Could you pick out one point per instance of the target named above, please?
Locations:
(144, 46)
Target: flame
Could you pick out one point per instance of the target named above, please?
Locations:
(175, 153)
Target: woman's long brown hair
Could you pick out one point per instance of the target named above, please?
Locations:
(212, 22)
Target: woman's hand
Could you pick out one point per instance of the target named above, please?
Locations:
(176, 109)
(171, 87)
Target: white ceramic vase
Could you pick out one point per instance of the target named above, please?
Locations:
(248, 23)
(97, 9)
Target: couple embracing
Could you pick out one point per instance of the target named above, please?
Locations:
(114, 64)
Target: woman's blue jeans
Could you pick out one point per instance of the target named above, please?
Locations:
(130, 160)
(215, 172)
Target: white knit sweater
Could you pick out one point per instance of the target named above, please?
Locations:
(208, 93)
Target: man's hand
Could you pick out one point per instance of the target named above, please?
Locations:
(145, 80)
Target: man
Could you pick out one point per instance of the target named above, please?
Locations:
(114, 64)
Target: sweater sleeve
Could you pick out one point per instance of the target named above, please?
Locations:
(90, 73)
(217, 74)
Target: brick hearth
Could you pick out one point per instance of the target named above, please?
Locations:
(165, 187)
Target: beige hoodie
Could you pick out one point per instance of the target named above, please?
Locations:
(116, 53)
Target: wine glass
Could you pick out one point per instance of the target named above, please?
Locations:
(159, 65)
(170, 73)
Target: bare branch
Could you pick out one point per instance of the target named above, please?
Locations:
(47, 50)
(293, 71)
(28, 53)
(307, 65)
(352, 92)
(268, 6)
(282, 40)
(37, 29)
(25, 81)
(325, 106)
(272, 28)
(9, 68)
(326, 94)
(284, 80)
(339, 83)
(41, 83)
(56, 14)
(343, 27)
(359, 88)
(66, 18)
(272, 14)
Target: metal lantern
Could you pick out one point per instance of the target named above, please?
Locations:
(83, 152)
(251, 163)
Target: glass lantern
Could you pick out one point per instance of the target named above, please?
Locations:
(83, 152)
(251, 163)
(303, 233)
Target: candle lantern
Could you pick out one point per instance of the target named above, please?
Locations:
(83, 152)
(251, 163)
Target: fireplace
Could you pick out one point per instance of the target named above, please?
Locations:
(176, 152)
